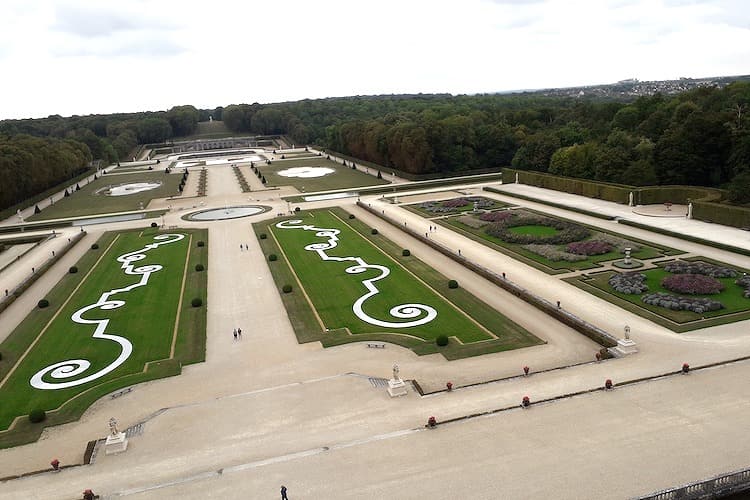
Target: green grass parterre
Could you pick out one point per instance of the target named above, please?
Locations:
(342, 178)
(147, 320)
(86, 202)
(332, 292)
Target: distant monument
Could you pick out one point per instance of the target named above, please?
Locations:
(116, 441)
(396, 386)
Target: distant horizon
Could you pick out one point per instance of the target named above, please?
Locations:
(499, 92)
(82, 57)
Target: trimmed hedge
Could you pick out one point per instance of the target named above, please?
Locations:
(453, 284)
(73, 270)
(273, 257)
(37, 415)
(374, 231)
(441, 340)
(201, 244)
(405, 252)
(286, 288)
(196, 302)
(43, 303)
(95, 246)
(199, 267)
(263, 236)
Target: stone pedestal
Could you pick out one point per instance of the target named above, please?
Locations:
(624, 347)
(116, 443)
(396, 387)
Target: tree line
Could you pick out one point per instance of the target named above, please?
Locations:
(700, 137)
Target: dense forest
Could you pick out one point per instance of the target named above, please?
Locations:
(700, 137)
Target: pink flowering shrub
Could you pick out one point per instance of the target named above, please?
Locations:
(693, 284)
(496, 216)
(591, 247)
(456, 203)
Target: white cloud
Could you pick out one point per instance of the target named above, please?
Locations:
(101, 56)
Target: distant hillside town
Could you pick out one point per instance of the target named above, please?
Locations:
(633, 88)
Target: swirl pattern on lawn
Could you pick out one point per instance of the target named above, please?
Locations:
(74, 367)
(401, 311)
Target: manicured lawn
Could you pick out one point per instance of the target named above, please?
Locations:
(87, 202)
(343, 177)
(146, 319)
(646, 250)
(736, 307)
(333, 292)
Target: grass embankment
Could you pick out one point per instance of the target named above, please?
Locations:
(476, 328)
(146, 319)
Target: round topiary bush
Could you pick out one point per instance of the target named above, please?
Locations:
(272, 257)
(442, 340)
(43, 303)
(73, 270)
(199, 267)
(374, 231)
(263, 236)
(95, 246)
(351, 216)
(297, 209)
(153, 224)
(201, 243)
(36, 416)
(452, 284)
(286, 288)
(405, 252)
(197, 302)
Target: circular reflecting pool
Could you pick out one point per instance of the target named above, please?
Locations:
(227, 213)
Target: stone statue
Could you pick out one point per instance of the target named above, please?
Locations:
(113, 426)
(690, 210)
(516, 177)
(630, 199)
(395, 372)
(627, 332)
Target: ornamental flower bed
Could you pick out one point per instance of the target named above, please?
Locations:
(630, 283)
(591, 247)
(697, 305)
(693, 284)
(567, 231)
(619, 243)
(704, 268)
(496, 216)
(744, 282)
(552, 253)
(456, 203)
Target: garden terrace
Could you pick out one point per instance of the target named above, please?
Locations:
(332, 284)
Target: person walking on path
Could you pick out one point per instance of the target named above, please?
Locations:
(235, 334)
(239, 333)
(283, 493)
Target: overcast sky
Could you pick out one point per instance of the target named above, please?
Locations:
(104, 56)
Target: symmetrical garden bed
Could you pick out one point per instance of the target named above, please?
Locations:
(122, 315)
(682, 294)
(359, 286)
(551, 244)
(454, 206)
